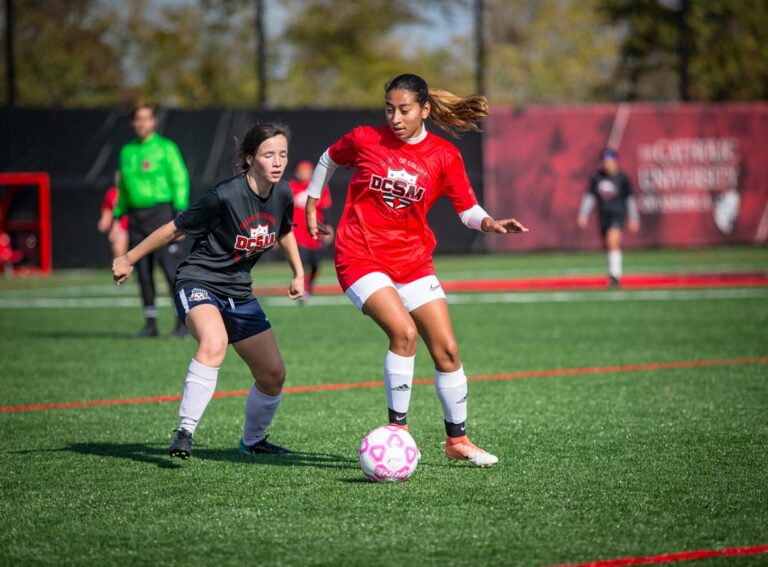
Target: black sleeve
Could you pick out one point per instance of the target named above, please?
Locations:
(202, 217)
(627, 186)
(592, 186)
(286, 223)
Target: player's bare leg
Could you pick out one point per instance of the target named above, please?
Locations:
(433, 321)
(386, 308)
(206, 325)
(262, 355)
(613, 252)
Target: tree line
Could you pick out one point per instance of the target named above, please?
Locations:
(337, 53)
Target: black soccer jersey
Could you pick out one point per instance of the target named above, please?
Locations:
(232, 228)
(611, 192)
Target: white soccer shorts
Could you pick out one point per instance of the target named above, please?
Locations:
(413, 294)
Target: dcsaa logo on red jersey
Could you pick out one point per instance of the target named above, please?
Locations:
(399, 188)
(260, 238)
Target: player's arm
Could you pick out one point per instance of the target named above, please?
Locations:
(588, 201)
(122, 267)
(476, 218)
(291, 251)
(459, 191)
(324, 170)
(120, 203)
(632, 211)
(585, 207)
(178, 178)
(105, 221)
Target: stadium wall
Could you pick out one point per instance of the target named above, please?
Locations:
(699, 171)
(80, 148)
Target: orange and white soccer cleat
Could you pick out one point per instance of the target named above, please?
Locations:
(403, 427)
(462, 449)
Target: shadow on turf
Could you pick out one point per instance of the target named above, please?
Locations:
(104, 335)
(158, 455)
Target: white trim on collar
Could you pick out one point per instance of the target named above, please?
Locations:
(418, 138)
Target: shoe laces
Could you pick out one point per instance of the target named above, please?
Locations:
(182, 433)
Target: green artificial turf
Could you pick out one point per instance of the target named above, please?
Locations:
(600, 466)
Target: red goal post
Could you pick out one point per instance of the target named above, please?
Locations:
(27, 220)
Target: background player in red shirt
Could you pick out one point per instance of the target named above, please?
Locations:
(384, 245)
(118, 231)
(310, 249)
(232, 225)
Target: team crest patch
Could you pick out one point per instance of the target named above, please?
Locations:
(607, 189)
(198, 294)
(399, 189)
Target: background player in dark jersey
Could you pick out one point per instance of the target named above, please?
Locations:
(154, 184)
(232, 226)
(612, 192)
(311, 250)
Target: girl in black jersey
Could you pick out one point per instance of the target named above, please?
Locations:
(232, 225)
(611, 190)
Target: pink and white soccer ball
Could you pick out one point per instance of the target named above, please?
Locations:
(388, 454)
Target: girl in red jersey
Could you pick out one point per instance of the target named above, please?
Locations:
(384, 245)
(310, 249)
(118, 231)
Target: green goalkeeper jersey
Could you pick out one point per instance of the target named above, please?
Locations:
(151, 172)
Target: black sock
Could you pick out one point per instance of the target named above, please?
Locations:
(455, 429)
(397, 418)
(152, 322)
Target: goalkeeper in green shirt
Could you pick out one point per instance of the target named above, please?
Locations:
(154, 186)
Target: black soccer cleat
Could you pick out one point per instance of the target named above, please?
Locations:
(614, 282)
(262, 447)
(148, 331)
(179, 332)
(181, 446)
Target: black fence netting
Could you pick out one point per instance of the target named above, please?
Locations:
(80, 148)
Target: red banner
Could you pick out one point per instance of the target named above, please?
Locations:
(699, 172)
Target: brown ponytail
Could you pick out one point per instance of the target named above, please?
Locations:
(449, 112)
(455, 114)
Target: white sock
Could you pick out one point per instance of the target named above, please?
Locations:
(259, 411)
(614, 263)
(451, 388)
(398, 381)
(198, 391)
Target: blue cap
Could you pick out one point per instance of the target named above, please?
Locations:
(609, 154)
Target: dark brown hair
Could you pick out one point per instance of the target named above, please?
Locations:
(451, 113)
(253, 139)
(138, 106)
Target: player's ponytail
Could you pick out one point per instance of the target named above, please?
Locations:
(253, 139)
(451, 113)
(456, 114)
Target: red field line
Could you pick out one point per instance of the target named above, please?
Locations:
(635, 281)
(672, 557)
(376, 384)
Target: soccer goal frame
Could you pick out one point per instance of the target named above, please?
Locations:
(10, 185)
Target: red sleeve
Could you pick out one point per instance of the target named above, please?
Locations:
(456, 184)
(110, 199)
(344, 150)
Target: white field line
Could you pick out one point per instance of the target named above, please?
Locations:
(457, 299)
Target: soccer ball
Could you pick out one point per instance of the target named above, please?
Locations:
(388, 454)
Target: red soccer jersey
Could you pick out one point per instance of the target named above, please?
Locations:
(109, 202)
(299, 220)
(384, 224)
